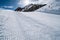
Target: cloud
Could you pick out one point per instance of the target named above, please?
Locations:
(26, 2)
(23, 2)
(56, 8)
(6, 7)
(52, 6)
(1, 8)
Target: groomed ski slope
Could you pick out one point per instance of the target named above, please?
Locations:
(29, 26)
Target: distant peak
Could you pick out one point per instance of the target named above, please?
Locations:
(30, 7)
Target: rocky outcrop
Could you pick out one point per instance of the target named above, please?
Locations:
(19, 9)
(30, 8)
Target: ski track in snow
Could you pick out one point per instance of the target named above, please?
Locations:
(29, 26)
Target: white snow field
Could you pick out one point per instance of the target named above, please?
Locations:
(29, 26)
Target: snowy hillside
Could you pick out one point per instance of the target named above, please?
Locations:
(29, 26)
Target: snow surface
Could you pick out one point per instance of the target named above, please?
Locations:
(29, 26)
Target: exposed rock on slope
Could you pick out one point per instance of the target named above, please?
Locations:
(19, 9)
(31, 7)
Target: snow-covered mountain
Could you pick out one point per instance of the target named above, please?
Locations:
(29, 26)
(30, 7)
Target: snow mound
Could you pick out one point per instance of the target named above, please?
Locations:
(29, 26)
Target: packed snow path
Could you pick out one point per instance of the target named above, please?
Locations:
(29, 26)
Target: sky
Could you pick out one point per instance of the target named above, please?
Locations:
(8, 4)
(13, 4)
